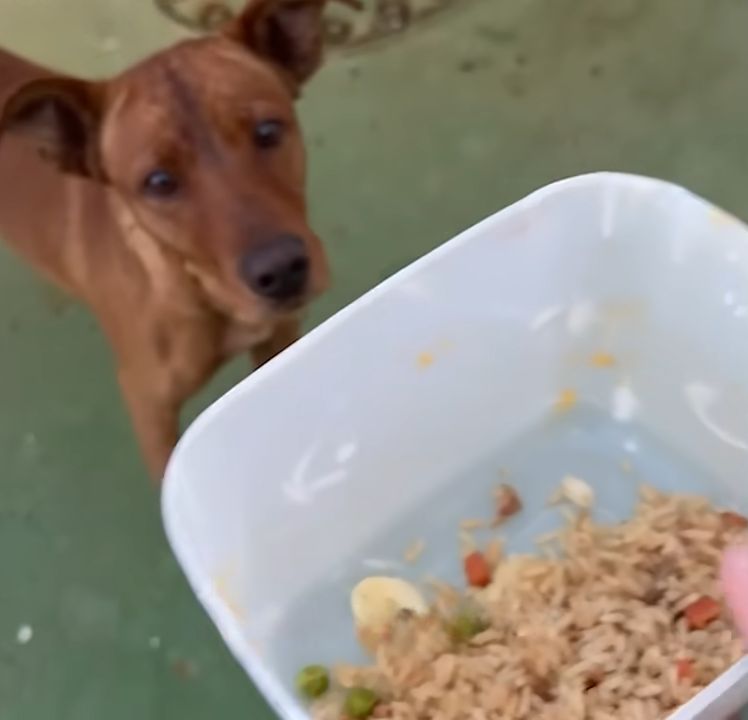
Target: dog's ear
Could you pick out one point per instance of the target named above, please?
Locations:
(286, 32)
(62, 117)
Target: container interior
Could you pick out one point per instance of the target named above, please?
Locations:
(595, 328)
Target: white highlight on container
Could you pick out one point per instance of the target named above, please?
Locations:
(381, 565)
(345, 453)
(624, 404)
(701, 398)
(302, 488)
(580, 318)
(545, 317)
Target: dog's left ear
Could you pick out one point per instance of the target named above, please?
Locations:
(286, 32)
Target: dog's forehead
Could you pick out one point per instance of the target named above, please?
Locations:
(190, 91)
(210, 71)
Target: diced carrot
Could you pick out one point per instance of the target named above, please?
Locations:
(733, 520)
(684, 669)
(702, 612)
(477, 570)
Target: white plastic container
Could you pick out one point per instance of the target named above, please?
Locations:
(391, 422)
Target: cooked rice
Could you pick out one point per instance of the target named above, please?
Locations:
(594, 631)
(473, 524)
(413, 553)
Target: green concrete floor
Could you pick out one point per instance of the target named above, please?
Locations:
(491, 101)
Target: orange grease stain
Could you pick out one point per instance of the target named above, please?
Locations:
(603, 360)
(425, 360)
(566, 400)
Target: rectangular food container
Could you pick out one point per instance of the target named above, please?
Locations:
(598, 327)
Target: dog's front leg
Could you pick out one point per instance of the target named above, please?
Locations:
(285, 334)
(155, 419)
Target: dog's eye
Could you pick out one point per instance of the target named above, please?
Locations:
(268, 134)
(160, 184)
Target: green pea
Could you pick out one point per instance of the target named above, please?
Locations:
(313, 681)
(360, 703)
(466, 626)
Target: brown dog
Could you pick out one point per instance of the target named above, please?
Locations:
(171, 200)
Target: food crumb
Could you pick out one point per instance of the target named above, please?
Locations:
(313, 681)
(154, 642)
(702, 612)
(557, 496)
(472, 524)
(360, 703)
(566, 400)
(377, 601)
(24, 635)
(508, 503)
(467, 542)
(734, 520)
(684, 670)
(413, 553)
(477, 570)
(577, 492)
(625, 404)
(183, 669)
(494, 551)
(466, 625)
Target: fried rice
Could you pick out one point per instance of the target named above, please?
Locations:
(602, 623)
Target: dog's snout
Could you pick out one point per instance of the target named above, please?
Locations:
(277, 270)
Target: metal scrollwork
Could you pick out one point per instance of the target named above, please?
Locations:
(344, 28)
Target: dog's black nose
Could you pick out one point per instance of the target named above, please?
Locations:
(277, 270)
